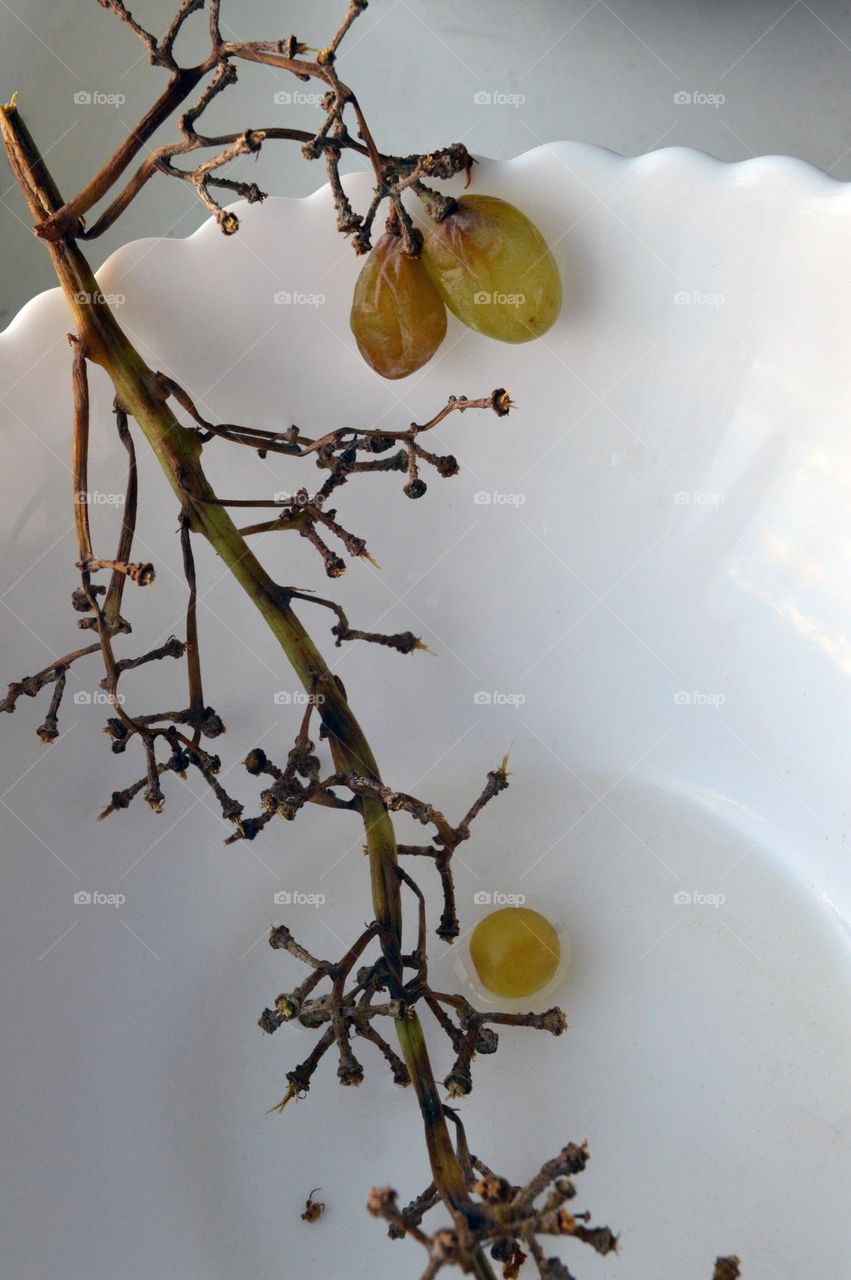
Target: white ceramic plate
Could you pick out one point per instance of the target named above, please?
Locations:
(645, 571)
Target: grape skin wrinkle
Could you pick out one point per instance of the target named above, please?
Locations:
(494, 270)
(397, 317)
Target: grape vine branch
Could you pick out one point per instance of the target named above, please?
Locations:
(343, 1000)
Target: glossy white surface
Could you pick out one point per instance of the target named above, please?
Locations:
(659, 592)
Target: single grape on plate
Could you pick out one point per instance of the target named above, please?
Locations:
(515, 951)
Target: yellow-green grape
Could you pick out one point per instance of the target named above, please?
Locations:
(494, 270)
(515, 951)
(398, 317)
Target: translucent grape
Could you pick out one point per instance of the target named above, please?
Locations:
(494, 270)
(398, 317)
(515, 951)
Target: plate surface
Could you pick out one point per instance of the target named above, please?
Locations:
(640, 579)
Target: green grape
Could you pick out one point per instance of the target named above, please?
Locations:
(494, 270)
(398, 317)
(515, 951)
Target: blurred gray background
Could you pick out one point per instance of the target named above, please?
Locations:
(735, 78)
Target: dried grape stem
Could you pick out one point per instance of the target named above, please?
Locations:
(115, 592)
(178, 450)
(393, 174)
(30, 685)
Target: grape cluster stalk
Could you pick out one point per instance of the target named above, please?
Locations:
(491, 1219)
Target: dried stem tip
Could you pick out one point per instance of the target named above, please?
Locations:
(142, 574)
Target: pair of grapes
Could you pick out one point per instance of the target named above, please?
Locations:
(485, 261)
